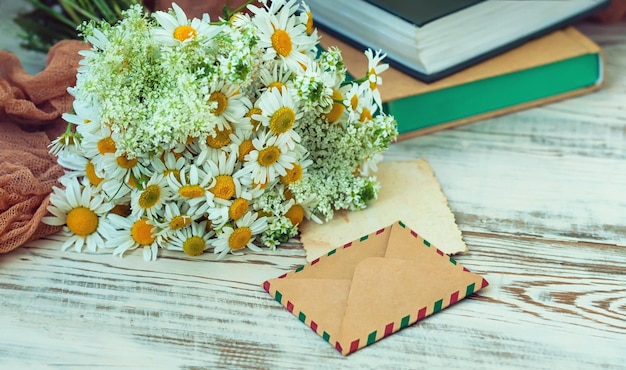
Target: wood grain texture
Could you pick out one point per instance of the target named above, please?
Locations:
(539, 196)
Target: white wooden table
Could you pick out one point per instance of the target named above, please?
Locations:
(540, 196)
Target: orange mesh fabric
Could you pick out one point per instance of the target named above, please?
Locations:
(30, 117)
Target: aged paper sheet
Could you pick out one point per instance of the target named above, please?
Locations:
(409, 193)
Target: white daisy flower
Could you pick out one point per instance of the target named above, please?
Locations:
(219, 139)
(228, 105)
(270, 158)
(374, 69)
(367, 111)
(193, 239)
(97, 144)
(337, 114)
(86, 117)
(151, 198)
(68, 141)
(370, 165)
(82, 213)
(306, 17)
(281, 36)
(353, 99)
(240, 20)
(193, 187)
(276, 78)
(177, 215)
(298, 170)
(133, 232)
(279, 114)
(121, 168)
(234, 239)
(298, 211)
(226, 210)
(241, 146)
(224, 185)
(79, 166)
(176, 28)
(169, 163)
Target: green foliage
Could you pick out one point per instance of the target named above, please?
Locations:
(54, 20)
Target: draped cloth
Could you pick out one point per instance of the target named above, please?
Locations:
(30, 118)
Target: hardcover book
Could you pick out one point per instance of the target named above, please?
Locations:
(434, 39)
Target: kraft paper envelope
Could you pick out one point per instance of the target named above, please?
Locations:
(373, 287)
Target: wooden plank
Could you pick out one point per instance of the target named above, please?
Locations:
(548, 304)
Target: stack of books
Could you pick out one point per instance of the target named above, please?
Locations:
(458, 61)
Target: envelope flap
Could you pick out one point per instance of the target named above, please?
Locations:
(388, 294)
(404, 243)
(340, 263)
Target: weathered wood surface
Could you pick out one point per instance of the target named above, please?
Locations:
(540, 198)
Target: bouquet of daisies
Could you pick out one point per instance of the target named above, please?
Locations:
(193, 135)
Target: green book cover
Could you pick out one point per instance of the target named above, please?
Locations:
(558, 65)
(428, 110)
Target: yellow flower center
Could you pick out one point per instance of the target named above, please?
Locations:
(121, 210)
(132, 182)
(366, 115)
(191, 191)
(269, 156)
(309, 23)
(184, 32)
(176, 173)
(150, 196)
(282, 120)
(337, 109)
(354, 102)
(82, 221)
(287, 194)
(224, 187)
(106, 145)
(277, 85)
(239, 238)
(294, 174)
(254, 122)
(238, 208)
(221, 138)
(126, 163)
(221, 100)
(90, 171)
(180, 221)
(281, 42)
(260, 185)
(245, 147)
(373, 79)
(295, 214)
(194, 246)
(141, 232)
